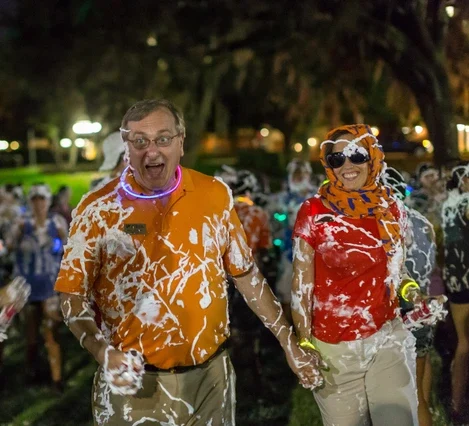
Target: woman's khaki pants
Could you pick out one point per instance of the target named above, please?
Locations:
(202, 396)
(370, 381)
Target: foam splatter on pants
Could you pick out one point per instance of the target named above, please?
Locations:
(370, 381)
(202, 396)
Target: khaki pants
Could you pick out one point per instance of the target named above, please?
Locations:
(204, 396)
(371, 381)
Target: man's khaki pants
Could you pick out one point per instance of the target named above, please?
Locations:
(203, 396)
(370, 381)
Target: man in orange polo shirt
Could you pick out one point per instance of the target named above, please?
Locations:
(153, 249)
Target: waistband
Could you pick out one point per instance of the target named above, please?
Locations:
(184, 368)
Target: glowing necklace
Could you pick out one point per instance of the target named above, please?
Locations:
(126, 186)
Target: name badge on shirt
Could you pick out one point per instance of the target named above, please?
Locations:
(135, 228)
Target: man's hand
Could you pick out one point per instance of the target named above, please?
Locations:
(307, 365)
(15, 293)
(123, 371)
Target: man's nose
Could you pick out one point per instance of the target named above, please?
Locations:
(153, 149)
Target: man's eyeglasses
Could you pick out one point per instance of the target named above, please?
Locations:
(337, 159)
(142, 142)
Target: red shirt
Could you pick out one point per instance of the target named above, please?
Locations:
(350, 299)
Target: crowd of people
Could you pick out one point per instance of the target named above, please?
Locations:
(166, 275)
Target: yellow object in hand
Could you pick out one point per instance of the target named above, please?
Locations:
(409, 285)
(307, 344)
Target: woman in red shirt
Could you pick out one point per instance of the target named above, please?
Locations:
(347, 269)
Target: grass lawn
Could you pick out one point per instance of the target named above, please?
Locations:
(79, 181)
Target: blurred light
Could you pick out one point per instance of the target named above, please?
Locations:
(152, 41)
(65, 143)
(449, 11)
(466, 128)
(277, 242)
(418, 129)
(208, 60)
(89, 152)
(162, 64)
(281, 217)
(298, 147)
(86, 127)
(375, 131)
(408, 190)
(3, 145)
(312, 141)
(79, 143)
(265, 132)
(428, 145)
(405, 130)
(14, 145)
(460, 127)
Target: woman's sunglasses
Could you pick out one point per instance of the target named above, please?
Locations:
(337, 159)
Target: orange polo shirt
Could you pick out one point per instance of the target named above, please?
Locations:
(158, 273)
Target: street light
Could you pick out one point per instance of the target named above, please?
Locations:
(298, 147)
(86, 127)
(65, 143)
(80, 142)
(3, 145)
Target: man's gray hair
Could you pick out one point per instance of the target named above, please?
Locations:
(142, 109)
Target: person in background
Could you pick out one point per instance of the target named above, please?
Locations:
(114, 161)
(61, 204)
(153, 249)
(419, 262)
(299, 188)
(430, 193)
(246, 328)
(348, 263)
(37, 242)
(455, 224)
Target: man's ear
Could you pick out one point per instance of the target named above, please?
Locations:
(182, 146)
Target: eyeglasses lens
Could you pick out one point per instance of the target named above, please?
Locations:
(337, 159)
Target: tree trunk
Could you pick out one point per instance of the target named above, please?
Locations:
(437, 111)
(211, 80)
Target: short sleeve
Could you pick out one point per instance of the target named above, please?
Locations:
(238, 257)
(304, 224)
(80, 263)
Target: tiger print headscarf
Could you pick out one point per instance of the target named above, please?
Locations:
(373, 199)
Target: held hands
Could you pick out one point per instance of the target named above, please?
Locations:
(123, 371)
(307, 365)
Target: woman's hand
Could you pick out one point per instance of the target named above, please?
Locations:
(307, 365)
